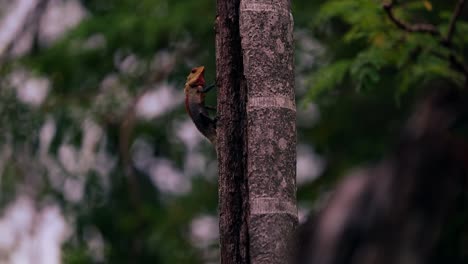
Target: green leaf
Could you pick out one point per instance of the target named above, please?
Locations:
(327, 78)
(365, 69)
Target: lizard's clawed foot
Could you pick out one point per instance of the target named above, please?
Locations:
(208, 88)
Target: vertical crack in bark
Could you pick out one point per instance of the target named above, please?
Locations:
(233, 193)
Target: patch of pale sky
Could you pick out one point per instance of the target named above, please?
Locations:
(90, 155)
(158, 101)
(204, 231)
(113, 98)
(95, 41)
(23, 44)
(59, 17)
(195, 164)
(142, 153)
(129, 64)
(169, 179)
(80, 160)
(302, 213)
(51, 232)
(163, 61)
(54, 170)
(33, 91)
(12, 23)
(31, 236)
(68, 13)
(92, 134)
(309, 164)
(104, 162)
(95, 243)
(162, 172)
(46, 134)
(187, 132)
(73, 189)
(68, 156)
(50, 163)
(109, 81)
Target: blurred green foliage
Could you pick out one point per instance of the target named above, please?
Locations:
(368, 45)
(370, 75)
(364, 76)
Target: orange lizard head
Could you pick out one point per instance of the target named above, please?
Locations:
(196, 77)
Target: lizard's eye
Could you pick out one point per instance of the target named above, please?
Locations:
(194, 70)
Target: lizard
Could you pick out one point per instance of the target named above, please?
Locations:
(195, 92)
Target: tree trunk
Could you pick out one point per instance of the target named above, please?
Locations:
(231, 136)
(256, 130)
(266, 29)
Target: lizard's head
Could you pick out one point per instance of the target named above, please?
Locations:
(196, 77)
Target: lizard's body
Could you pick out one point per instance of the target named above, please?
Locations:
(195, 91)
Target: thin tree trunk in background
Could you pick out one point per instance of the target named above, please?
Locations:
(21, 20)
(231, 136)
(266, 29)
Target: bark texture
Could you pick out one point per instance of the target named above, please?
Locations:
(231, 136)
(394, 212)
(266, 30)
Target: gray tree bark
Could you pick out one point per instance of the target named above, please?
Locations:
(256, 131)
(266, 29)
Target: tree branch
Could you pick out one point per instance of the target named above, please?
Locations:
(446, 41)
(420, 28)
(453, 22)
(458, 65)
(454, 62)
